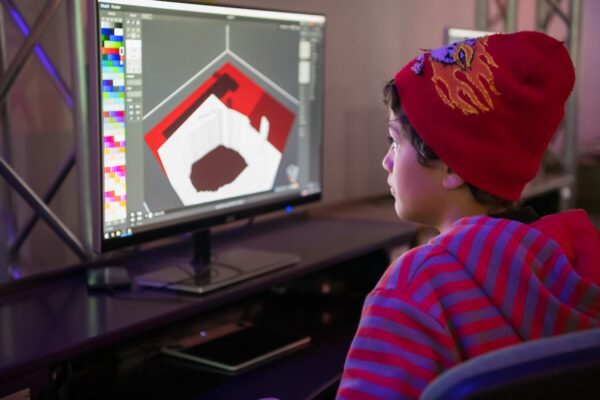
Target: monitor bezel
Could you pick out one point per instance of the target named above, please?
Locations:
(99, 244)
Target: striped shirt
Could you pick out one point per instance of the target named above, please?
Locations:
(482, 284)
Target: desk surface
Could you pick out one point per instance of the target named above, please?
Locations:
(55, 321)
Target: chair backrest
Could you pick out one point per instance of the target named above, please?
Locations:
(560, 367)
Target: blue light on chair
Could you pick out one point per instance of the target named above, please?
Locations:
(559, 367)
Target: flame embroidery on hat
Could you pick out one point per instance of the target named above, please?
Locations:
(462, 75)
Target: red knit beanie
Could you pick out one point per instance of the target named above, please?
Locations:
(488, 107)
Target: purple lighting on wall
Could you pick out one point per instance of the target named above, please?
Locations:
(41, 54)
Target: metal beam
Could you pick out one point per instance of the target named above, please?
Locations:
(68, 164)
(6, 206)
(571, 121)
(26, 48)
(44, 211)
(546, 11)
(52, 71)
(481, 15)
(510, 17)
(505, 12)
(40, 207)
(81, 119)
(56, 183)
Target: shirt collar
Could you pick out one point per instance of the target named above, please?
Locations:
(525, 215)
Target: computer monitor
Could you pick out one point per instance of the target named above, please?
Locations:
(201, 115)
(453, 35)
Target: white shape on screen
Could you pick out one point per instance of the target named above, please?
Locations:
(304, 72)
(210, 125)
(304, 50)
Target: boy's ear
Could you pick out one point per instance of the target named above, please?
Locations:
(451, 180)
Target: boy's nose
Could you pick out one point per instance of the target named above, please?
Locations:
(387, 162)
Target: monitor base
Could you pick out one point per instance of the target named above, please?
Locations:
(227, 268)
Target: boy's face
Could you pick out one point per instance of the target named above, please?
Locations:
(417, 190)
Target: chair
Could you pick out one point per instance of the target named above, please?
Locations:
(560, 367)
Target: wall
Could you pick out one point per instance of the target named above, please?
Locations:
(367, 42)
(365, 46)
(589, 80)
(41, 135)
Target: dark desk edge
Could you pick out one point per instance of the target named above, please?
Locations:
(194, 304)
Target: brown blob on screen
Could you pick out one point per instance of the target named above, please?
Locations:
(217, 168)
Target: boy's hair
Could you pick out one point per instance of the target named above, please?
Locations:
(425, 155)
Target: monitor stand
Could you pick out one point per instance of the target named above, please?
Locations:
(205, 273)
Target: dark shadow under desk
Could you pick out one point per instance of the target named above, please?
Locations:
(329, 318)
(50, 324)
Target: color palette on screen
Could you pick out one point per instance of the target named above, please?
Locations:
(112, 65)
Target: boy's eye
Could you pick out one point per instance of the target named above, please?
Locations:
(393, 143)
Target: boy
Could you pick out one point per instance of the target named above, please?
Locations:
(468, 126)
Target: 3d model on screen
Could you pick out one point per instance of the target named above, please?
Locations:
(224, 140)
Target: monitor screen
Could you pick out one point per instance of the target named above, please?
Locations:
(457, 34)
(201, 114)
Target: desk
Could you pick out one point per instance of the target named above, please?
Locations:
(52, 322)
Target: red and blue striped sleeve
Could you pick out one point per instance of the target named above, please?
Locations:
(400, 346)
(482, 285)
(397, 350)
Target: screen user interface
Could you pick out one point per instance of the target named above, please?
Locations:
(205, 110)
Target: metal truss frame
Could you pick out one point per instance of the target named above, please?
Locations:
(75, 101)
(567, 12)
